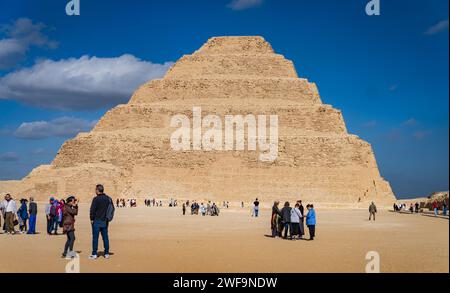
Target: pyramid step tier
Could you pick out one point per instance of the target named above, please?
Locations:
(242, 66)
(151, 147)
(316, 118)
(292, 89)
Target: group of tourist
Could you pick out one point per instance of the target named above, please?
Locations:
(435, 207)
(22, 216)
(122, 203)
(155, 203)
(288, 222)
(60, 213)
(417, 208)
(196, 209)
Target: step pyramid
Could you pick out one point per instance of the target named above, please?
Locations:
(129, 149)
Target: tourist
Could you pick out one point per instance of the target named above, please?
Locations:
(296, 215)
(10, 209)
(48, 215)
(32, 210)
(100, 207)
(444, 208)
(203, 210)
(256, 208)
(61, 204)
(411, 208)
(117, 202)
(208, 208)
(54, 217)
(311, 221)
(242, 204)
(215, 210)
(275, 220)
(2, 214)
(286, 218)
(372, 211)
(22, 215)
(417, 207)
(70, 210)
(435, 208)
(302, 219)
(184, 209)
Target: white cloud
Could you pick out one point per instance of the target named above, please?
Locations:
(244, 4)
(21, 35)
(437, 28)
(87, 83)
(9, 157)
(60, 127)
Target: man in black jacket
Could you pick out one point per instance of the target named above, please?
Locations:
(32, 209)
(98, 211)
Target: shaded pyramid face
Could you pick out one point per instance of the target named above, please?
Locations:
(130, 152)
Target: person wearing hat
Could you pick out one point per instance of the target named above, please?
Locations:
(70, 210)
(22, 214)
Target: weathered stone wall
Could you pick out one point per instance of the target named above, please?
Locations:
(129, 149)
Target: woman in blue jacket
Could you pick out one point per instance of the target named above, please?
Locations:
(23, 215)
(311, 221)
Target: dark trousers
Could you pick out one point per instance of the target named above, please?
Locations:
(49, 225)
(312, 231)
(69, 242)
(23, 227)
(100, 227)
(55, 225)
(287, 227)
(32, 228)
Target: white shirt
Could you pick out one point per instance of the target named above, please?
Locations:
(10, 207)
(296, 214)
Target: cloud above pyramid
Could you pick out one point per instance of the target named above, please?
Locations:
(85, 83)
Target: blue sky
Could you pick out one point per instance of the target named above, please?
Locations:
(388, 74)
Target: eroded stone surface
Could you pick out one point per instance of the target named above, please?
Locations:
(129, 149)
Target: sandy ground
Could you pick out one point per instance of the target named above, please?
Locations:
(162, 240)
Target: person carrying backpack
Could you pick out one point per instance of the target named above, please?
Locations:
(101, 213)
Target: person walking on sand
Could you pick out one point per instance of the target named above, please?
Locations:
(286, 218)
(311, 221)
(372, 211)
(10, 209)
(32, 210)
(101, 212)
(184, 209)
(70, 210)
(256, 208)
(444, 208)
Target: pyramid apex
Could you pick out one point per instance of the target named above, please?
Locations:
(236, 45)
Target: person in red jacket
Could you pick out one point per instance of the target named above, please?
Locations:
(435, 208)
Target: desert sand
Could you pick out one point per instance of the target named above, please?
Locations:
(163, 240)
